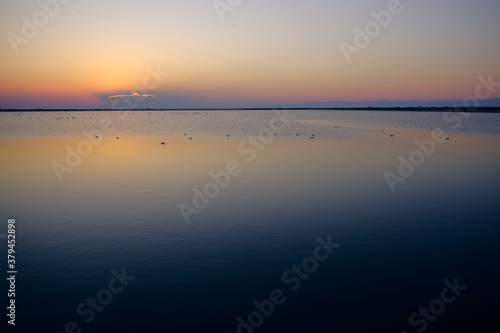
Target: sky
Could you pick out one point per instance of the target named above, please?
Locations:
(243, 53)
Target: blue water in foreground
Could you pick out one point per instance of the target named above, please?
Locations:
(310, 179)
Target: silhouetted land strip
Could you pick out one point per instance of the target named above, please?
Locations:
(401, 109)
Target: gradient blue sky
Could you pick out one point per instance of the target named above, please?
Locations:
(263, 52)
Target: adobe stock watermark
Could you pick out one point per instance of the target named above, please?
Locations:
(95, 137)
(31, 27)
(293, 279)
(88, 310)
(221, 179)
(427, 147)
(363, 38)
(224, 6)
(420, 320)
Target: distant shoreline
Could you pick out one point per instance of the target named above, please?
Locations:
(401, 109)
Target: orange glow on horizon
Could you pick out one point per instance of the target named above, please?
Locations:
(131, 95)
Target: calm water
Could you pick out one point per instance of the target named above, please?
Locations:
(320, 174)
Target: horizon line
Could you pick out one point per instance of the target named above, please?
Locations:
(489, 109)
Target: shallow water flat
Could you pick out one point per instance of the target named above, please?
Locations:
(86, 205)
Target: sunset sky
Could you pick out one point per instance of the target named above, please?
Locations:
(263, 52)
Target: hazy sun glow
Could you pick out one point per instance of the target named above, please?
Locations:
(261, 53)
(132, 95)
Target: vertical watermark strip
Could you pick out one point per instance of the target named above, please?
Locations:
(11, 271)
